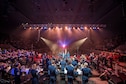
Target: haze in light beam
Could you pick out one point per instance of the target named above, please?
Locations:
(53, 46)
(78, 43)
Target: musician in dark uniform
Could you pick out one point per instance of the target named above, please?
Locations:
(63, 64)
(70, 72)
(86, 72)
(52, 72)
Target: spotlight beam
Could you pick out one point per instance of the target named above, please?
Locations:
(78, 43)
(53, 46)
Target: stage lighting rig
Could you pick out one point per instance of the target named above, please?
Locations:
(71, 26)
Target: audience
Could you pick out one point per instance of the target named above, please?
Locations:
(17, 63)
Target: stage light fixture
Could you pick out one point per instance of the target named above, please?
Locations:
(45, 27)
(81, 28)
(69, 27)
(41, 27)
(94, 28)
(30, 27)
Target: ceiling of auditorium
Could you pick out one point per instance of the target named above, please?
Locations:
(16, 12)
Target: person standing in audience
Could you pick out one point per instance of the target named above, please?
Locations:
(70, 72)
(17, 73)
(0, 51)
(86, 72)
(52, 72)
(45, 62)
(98, 63)
(91, 56)
(34, 74)
(111, 61)
(116, 68)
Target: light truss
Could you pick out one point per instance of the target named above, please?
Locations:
(46, 26)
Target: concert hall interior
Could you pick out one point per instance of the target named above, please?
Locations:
(62, 42)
